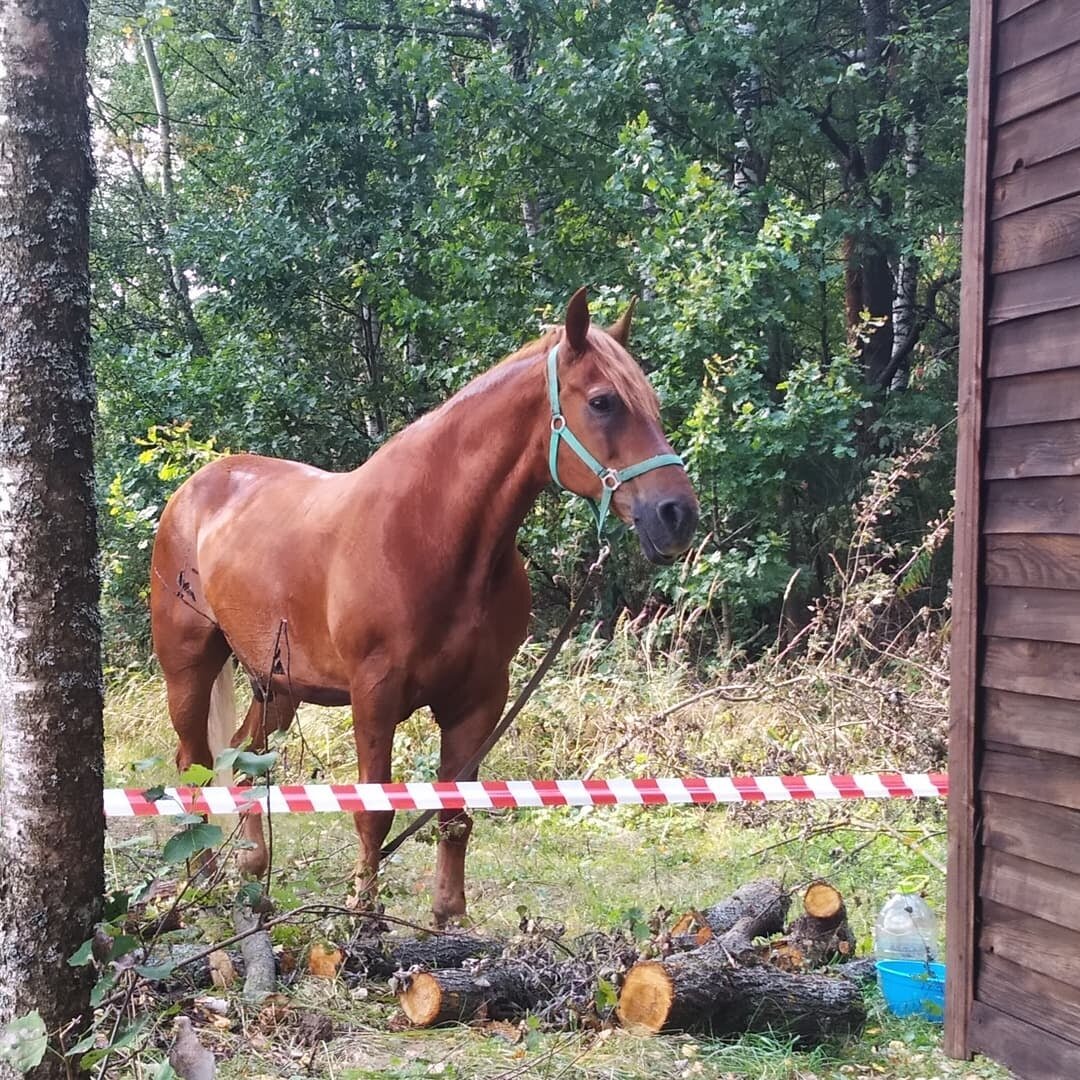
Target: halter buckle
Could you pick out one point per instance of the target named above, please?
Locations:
(558, 422)
(610, 479)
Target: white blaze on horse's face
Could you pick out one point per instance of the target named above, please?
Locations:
(607, 443)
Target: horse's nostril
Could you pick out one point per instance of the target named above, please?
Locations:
(672, 513)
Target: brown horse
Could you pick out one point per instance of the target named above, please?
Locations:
(399, 584)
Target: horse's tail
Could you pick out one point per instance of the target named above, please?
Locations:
(221, 723)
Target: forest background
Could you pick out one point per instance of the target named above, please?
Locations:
(314, 221)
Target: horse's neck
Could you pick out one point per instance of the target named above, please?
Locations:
(484, 459)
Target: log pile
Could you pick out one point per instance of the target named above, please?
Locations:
(724, 968)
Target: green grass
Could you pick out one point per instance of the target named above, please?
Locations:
(585, 869)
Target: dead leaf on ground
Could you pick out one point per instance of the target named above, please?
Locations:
(275, 1008)
(398, 1022)
(324, 961)
(503, 1029)
(222, 972)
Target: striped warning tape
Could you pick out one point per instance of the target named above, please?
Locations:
(499, 794)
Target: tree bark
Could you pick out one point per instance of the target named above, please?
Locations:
(376, 957)
(51, 815)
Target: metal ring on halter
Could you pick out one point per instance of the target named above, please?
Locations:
(610, 479)
(558, 422)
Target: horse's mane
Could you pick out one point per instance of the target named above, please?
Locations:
(613, 360)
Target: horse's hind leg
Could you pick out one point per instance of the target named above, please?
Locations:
(190, 666)
(269, 712)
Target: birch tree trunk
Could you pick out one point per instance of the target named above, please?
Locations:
(51, 817)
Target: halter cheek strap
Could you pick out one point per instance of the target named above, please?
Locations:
(610, 479)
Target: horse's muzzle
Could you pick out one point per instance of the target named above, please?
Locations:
(665, 527)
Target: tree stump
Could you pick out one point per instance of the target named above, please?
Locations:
(820, 935)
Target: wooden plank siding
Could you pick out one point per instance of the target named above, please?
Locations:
(1036, 184)
(1039, 1055)
(1040, 831)
(1031, 996)
(1035, 32)
(1048, 342)
(1032, 722)
(1037, 84)
(1013, 920)
(1036, 237)
(1036, 562)
(1051, 132)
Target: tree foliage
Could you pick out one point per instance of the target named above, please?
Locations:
(315, 220)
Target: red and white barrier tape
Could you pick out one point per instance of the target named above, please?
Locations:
(499, 794)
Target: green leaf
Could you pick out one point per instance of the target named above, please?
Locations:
(250, 894)
(144, 764)
(197, 775)
(255, 764)
(87, 1042)
(190, 841)
(121, 946)
(99, 992)
(154, 793)
(226, 758)
(125, 1038)
(23, 1041)
(156, 971)
(82, 955)
(607, 996)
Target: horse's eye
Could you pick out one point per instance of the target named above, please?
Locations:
(602, 403)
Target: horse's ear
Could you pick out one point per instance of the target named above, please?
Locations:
(620, 330)
(577, 319)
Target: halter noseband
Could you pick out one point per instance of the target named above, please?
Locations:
(610, 479)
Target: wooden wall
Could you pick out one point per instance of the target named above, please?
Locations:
(1014, 917)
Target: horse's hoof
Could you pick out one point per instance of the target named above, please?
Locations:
(451, 920)
(252, 863)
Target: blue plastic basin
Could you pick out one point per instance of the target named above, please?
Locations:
(913, 988)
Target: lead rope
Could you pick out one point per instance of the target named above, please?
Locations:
(520, 701)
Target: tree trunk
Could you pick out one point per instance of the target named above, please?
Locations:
(177, 275)
(905, 323)
(51, 815)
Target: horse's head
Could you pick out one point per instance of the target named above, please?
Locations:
(607, 406)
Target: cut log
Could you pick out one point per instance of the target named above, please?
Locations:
(822, 901)
(702, 990)
(821, 935)
(498, 990)
(756, 910)
(763, 900)
(379, 957)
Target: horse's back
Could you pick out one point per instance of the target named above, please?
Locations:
(240, 534)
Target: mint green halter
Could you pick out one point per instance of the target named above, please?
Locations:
(610, 479)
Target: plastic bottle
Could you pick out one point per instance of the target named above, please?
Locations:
(906, 929)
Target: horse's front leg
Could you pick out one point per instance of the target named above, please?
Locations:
(464, 730)
(376, 714)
